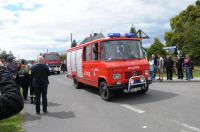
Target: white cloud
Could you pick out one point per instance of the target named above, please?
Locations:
(27, 33)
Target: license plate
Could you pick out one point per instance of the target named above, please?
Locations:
(137, 81)
(135, 89)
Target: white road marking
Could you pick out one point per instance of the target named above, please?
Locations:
(144, 127)
(195, 129)
(132, 108)
(189, 127)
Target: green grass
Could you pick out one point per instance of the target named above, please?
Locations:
(12, 124)
(196, 71)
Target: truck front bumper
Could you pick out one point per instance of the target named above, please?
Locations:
(54, 69)
(125, 86)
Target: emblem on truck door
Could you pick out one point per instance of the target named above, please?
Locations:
(87, 73)
(133, 67)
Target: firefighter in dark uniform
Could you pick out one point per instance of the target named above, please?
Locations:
(169, 67)
(179, 66)
(24, 79)
(32, 90)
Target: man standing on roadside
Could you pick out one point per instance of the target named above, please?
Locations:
(154, 58)
(169, 67)
(40, 73)
(179, 66)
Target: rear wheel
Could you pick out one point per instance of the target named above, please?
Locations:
(58, 72)
(105, 92)
(77, 84)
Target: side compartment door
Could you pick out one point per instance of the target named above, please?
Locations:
(73, 62)
(69, 63)
(79, 63)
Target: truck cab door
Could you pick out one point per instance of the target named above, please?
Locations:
(86, 64)
(95, 63)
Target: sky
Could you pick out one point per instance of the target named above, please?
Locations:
(30, 27)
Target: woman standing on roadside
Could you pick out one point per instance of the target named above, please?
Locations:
(187, 65)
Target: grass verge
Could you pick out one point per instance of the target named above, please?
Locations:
(12, 124)
(196, 72)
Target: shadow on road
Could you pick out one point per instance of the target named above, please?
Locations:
(52, 104)
(30, 117)
(90, 89)
(61, 114)
(136, 98)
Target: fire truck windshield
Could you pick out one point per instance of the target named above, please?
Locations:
(51, 57)
(121, 50)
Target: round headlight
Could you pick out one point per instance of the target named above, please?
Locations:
(142, 79)
(146, 72)
(116, 76)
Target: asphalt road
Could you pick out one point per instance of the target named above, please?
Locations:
(167, 107)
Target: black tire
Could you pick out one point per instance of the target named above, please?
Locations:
(105, 92)
(77, 84)
(143, 91)
(58, 72)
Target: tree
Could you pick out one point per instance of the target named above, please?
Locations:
(156, 48)
(133, 30)
(63, 57)
(74, 43)
(4, 55)
(185, 31)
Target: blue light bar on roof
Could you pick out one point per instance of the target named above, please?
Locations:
(113, 35)
(129, 35)
(117, 35)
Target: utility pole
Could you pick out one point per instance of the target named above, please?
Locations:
(71, 37)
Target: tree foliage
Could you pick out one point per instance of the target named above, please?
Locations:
(133, 30)
(63, 57)
(156, 48)
(4, 55)
(185, 31)
(74, 43)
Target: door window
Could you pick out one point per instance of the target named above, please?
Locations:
(95, 52)
(86, 53)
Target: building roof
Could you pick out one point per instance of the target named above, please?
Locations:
(92, 38)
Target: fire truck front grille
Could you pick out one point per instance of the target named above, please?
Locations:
(133, 73)
(53, 65)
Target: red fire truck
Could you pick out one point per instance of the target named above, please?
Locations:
(52, 61)
(113, 63)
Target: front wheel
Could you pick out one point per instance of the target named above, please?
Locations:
(144, 90)
(105, 92)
